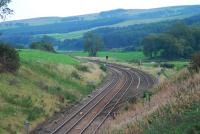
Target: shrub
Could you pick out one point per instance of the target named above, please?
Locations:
(75, 75)
(82, 68)
(195, 62)
(103, 67)
(167, 65)
(34, 113)
(9, 58)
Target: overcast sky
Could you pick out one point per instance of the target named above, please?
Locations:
(42, 8)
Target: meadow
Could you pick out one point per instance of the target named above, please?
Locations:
(36, 55)
(133, 57)
(64, 36)
(118, 56)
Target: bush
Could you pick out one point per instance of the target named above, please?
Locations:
(103, 67)
(195, 62)
(42, 46)
(167, 65)
(75, 75)
(82, 68)
(9, 58)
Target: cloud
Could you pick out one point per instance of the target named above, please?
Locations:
(41, 8)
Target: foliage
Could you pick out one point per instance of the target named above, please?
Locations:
(9, 58)
(93, 43)
(103, 67)
(75, 75)
(4, 10)
(82, 68)
(167, 65)
(195, 62)
(42, 46)
(179, 42)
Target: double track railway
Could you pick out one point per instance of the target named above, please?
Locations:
(89, 118)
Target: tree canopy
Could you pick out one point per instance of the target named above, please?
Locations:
(45, 46)
(93, 43)
(179, 42)
(4, 10)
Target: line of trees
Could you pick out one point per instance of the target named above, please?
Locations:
(44, 46)
(178, 42)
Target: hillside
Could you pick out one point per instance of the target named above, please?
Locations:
(45, 84)
(66, 32)
(173, 108)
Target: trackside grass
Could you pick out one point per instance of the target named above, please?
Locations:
(172, 109)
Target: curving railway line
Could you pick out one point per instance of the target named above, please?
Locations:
(89, 118)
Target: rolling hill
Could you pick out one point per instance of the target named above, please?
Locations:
(67, 32)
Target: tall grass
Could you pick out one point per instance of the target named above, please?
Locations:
(173, 109)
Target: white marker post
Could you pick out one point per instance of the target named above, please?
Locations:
(26, 126)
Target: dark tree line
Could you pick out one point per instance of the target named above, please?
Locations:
(181, 41)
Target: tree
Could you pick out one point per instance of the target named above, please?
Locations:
(4, 10)
(93, 43)
(151, 45)
(179, 42)
(195, 62)
(9, 58)
(42, 46)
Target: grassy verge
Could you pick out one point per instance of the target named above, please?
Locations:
(43, 85)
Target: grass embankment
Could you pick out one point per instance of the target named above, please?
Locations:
(173, 109)
(45, 83)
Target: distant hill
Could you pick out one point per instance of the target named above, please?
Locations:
(23, 32)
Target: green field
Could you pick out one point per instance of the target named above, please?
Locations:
(36, 55)
(119, 56)
(64, 36)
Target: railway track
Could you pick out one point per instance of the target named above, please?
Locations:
(91, 116)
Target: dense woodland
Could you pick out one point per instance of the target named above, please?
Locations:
(181, 41)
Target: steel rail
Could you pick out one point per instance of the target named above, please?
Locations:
(92, 108)
(109, 103)
(70, 118)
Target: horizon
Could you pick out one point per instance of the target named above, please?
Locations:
(73, 9)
